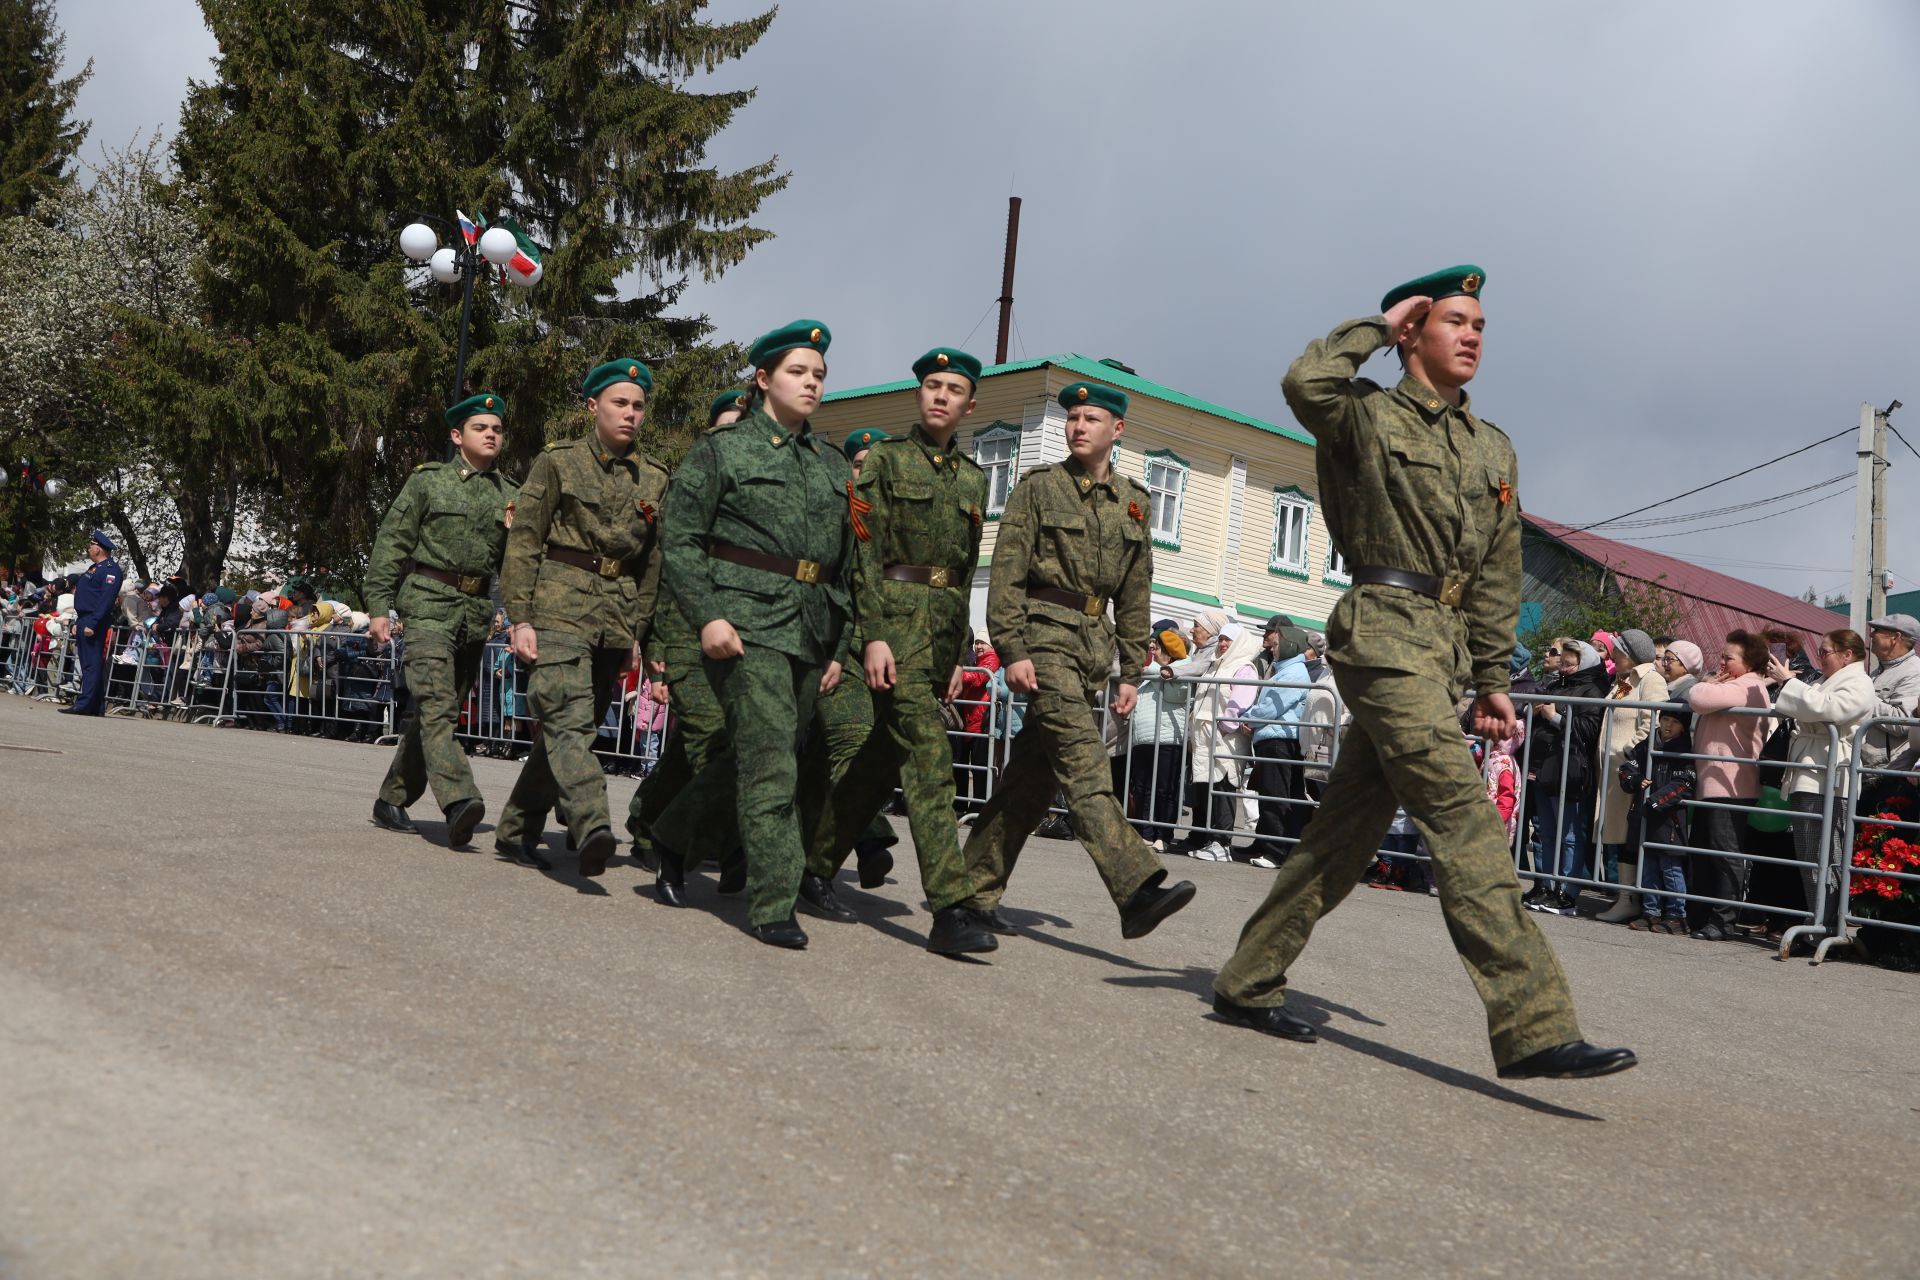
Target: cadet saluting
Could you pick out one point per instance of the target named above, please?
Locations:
(757, 556)
(1419, 497)
(579, 581)
(1072, 539)
(433, 563)
(917, 516)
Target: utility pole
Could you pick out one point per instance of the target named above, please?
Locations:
(1869, 594)
(1006, 278)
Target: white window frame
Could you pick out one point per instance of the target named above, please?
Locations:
(994, 436)
(1180, 467)
(1337, 572)
(1290, 505)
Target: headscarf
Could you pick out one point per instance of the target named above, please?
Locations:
(1691, 659)
(1214, 620)
(1589, 656)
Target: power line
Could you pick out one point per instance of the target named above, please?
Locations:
(1712, 483)
(977, 323)
(1737, 507)
(1902, 439)
(1688, 533)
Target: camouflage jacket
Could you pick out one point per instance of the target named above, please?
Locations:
(1063, 529)
(579, 496)
(924, 506)
(448, 516)
(1407, 481)
(756, 485)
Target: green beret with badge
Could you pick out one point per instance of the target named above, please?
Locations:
(724, 401)
(1464, 280)
(948, 360)
(627, 369)
(862, 440)
(485, 402)
(800, 333)
(1097, 394)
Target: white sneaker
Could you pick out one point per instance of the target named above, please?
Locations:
(1262, 861)
(1158, 846)
(1211, 852)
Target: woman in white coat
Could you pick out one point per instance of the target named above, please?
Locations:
(1844, 698)
(1219, 743)
(1622, 737)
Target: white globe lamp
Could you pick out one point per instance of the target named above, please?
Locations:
(530, 279)
(444, 266)
(498, 246)
(417, 241)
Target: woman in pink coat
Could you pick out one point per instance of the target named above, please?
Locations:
(1718, 731)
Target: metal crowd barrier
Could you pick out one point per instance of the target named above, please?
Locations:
(1885, 805)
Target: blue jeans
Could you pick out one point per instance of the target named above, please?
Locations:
(1667, 871)
(1577, 814)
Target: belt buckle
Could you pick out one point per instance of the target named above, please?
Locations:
(939, 577)
(1095, 606)
(1451, 589)
(807, 571)
(472, 583)
(609, 567)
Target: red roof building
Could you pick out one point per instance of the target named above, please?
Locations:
(1558, 560)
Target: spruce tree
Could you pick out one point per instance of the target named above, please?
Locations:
(39, 136)
(331, 124)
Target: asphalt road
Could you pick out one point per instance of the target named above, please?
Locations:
(245, 1033)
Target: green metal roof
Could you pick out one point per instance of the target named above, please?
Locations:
(1132, 383)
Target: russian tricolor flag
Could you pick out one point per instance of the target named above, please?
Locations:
(467, 228)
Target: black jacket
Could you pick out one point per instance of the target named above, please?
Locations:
(1572, 737)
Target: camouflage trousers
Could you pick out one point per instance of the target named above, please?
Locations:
(571, 688)
(843, 723)
(765, 697)
(1404, 750)
(1058, 748)
(440, 672)
(908, 741)
(698, 738)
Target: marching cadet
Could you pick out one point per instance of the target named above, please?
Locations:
(917, 515)
(842, 723)
(433, 564)
(581, 573)
(1420, 498)
(758, 552)
(699, 726)
(1073, 539)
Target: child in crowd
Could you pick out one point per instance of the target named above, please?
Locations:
(1659, 817)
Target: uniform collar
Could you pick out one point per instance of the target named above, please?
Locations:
(778, 435)
(1084, 482)
(607, 457)
(1428, 401)
(940, 455)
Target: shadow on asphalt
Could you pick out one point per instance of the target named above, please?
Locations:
(1197, 981)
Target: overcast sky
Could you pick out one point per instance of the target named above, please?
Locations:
(1697, 220)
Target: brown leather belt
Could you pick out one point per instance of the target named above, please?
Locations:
(931, 575)
(605, 566)
(471, 584)
(1092, 606)
(807, 571)
(1447, 591)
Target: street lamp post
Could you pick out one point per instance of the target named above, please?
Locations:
(30, 481)
(504, 247)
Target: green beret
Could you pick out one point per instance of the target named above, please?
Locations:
(862, 440)
(724, 401)
(602, 376)
(485, 402)
(947, 360)
(225, 595)
(1097, 394)
(1464, 279)
(800, 333)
